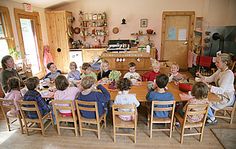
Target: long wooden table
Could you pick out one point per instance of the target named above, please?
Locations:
(142, 90)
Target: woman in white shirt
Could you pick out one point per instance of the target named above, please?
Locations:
(224, 85)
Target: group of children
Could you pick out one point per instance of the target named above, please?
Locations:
(87, 90)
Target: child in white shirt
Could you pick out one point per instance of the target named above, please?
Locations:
(125, 98)
(132, 75)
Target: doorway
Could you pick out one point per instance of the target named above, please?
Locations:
(29, 33)
(177, 36)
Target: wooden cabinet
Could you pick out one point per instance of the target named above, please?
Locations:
(58, 26)
(120, 61)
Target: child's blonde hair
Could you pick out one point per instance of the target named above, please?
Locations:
(154, 62)
(73, 64)
(175, 64)
(87, 82)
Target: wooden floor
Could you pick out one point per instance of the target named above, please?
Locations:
(14, 138)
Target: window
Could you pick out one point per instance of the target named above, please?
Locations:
(6, 36)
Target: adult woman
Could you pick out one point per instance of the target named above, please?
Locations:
(8, 71)
(224, 85)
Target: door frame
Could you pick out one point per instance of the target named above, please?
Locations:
(19, 13)
(165, 14)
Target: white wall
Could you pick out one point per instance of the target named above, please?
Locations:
(11, 5)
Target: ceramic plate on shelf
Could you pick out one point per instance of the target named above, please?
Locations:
(115, 30)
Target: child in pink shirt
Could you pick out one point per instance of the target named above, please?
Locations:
(13, 94)
(64, 92)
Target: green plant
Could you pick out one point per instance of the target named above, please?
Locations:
(14, 53)
(114, 75)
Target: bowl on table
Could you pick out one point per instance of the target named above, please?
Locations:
(185, 87)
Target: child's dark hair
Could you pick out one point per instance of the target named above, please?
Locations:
(132, 64)
(124, 84)
(162, 80)
(49, 65)
(200, 90)
(4, 61)
(61, 82)
(32, 82)
(13, 83)
(85, 66)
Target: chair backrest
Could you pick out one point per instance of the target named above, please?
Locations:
(87, 106)
(197, 109)
(7, 103)
(63, 105)
(130, 110)
(170, 107)
(29, 106)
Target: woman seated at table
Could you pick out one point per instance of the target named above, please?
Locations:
(8, 71)
(224, 85)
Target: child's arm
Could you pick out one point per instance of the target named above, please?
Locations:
(105, 95)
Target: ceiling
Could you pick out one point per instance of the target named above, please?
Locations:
(45, 3)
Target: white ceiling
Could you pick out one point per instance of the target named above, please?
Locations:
(45, 3)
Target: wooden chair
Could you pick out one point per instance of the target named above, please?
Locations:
(156, 120)
(226, 113)
(202, 109)
(119, 123)
(65, 105)
(92, 107)
(32, 106)
(6, 105)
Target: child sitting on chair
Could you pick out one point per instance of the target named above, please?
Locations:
(132, 75)
(199, 96)
(74, 74)
(64, 92)
(87, 71)
(151, 75)
(105, 71)
(89, 94)
(125, 98)
(13, 94)
(174, 74)
(53, 72)
(33, 95)
(160, 95)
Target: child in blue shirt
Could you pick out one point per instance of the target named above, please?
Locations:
(53, 72)
(74, 74)
(160, 95)
(33, 95)
(89, 94)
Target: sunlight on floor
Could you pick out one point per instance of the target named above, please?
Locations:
(5, 135)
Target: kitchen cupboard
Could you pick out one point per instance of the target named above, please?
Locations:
(58, 28)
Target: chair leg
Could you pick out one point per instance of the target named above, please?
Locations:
(171, 129)
(182, 136)
(105, 121)
(99, 129)
(150, 130)
(42, 128)
(58, 128)
(21, 125)
(76, 128)
(135, 129)
(80, 128)
(231, 117)
(201, 136)
(8, 124)
(114, 133)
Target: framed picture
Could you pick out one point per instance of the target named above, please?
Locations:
(143, 22)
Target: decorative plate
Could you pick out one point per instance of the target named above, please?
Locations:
(115, 30)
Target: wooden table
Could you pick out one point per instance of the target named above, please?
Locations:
(142, 90)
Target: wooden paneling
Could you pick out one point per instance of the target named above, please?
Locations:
(57, 26)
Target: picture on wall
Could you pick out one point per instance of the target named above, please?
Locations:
(143, 22)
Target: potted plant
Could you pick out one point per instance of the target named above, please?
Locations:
(14, 53)
(114, 76)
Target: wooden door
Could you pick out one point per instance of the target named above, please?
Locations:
(177, 36)
(57, 26)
